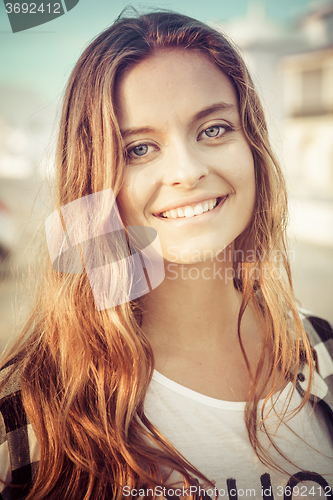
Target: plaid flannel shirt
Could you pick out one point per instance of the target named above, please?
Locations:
(19, 451)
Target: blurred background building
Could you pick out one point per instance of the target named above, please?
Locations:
(292, 66)
(25, 131)
(291, 61)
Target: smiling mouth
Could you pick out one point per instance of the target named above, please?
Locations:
(193, 210)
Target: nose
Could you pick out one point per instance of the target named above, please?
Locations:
(183, 167)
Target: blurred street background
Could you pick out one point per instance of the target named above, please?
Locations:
(288, 46)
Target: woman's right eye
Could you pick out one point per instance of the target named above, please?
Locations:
(139, 150)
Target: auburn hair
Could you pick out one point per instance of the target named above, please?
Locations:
(84, 372)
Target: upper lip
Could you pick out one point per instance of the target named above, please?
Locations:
(184, 202)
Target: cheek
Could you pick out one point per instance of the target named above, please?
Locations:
(247, 176)
(236, 164)
(132, 198)
(247, 180)
(243, 169)
(127, 205)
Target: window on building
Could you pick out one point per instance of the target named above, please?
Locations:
(312, 91)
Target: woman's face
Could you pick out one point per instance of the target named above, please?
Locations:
(186, 153)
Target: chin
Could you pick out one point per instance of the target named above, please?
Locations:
(190, 255)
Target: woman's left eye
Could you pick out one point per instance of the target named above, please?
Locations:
(214, 131)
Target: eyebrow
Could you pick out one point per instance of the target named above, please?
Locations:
(221, 106)
(134, 131)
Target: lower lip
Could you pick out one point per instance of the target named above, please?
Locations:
(196, 219)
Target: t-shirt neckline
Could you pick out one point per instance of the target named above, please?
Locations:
(208, 400)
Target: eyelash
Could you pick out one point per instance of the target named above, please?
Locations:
(226, 127)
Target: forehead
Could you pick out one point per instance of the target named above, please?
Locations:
(172, 82)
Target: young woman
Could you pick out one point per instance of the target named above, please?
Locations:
(206, 385)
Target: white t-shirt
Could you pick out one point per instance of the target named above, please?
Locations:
(211, 434)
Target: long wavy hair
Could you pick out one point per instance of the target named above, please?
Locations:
(84, 372)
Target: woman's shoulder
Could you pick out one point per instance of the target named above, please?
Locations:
(10, 376)
(319, 331)
(320, 334)
(18, 445)
(11, 408)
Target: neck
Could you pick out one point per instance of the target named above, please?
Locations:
(191, 301)
(191, 321)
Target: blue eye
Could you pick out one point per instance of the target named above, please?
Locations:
(213, 131)
(139, 150)
(144, 151)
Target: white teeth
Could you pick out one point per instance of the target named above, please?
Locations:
(198, 209)
(191, 211)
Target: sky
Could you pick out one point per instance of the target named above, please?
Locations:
(41, 58)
